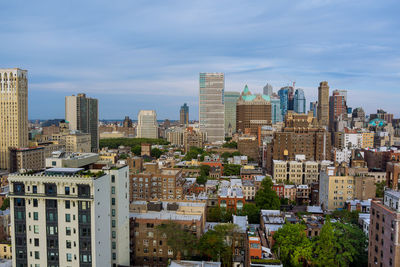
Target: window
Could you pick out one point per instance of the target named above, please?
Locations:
(170, 252)
(35, 216)
(113, 234)
(114, 256)
(36, 241)
(67, 190)
(114, 245)
(113, 201)
(112, 189)
(67, 204)
(68, 230)
(35, 202)
(113, 212)
(37, 255)
(113, 178)
(34, 189)
(113, 223)
(68, 217)
(68, 244)
(36, 229)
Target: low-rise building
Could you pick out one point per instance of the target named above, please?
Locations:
(249, 190)
(30, 158)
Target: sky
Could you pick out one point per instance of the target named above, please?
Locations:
(134, 55)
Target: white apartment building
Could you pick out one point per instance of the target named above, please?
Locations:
(147, 124)
(70, 217)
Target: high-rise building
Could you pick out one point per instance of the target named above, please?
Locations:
(211, 106)
(13, 112)
(284, 97)
(290, 97)
(268, 89)
(337, 106)
(230, 100)
(147, 124)
(359, 113)
(299, 102)
(70, 217)
(314, 108)
(184, 114)
(252, 111)
(82, 113)
(323, 104)
(127, 123)
(276, 111)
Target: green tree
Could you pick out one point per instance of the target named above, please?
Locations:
(193, 153)
(156, 153)
(380, 189)
(123, 156)
(231, 144)
(201, 179)
(325, 250)
(6, 204)
(205, 170)
(266, 198)
(129, 142)
(180, 240)
(214, 214)
(292, 245)
(137, 150)
(346, 216)
(231, 169)
(251, 211)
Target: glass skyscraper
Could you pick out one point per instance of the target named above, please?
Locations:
(211, 106)
(276, 111)
(284, 99)
(230, 100)
(299, 101)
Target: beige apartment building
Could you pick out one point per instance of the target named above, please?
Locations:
(13, 112)
(297, 172)
(77, 142)
(335, 190)
(26, 159)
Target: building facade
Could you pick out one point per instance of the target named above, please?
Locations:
(13, 112)
(252, 112)
(147, 124)
(337, 106)
(82, 113)
(211, 106)
(230, 100)
(323, 104)
(26, 159)
(299, 102)
(276, 111)
(184, 114)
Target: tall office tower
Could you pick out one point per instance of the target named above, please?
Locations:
(13, 112)
(147, 124)
(323, 104)
(82, 113)
(314, 108)
(359, 113)
(268, 89)
(127, 122)
(299, 102)
(276, 111)
(184, 114)
(211, 106)
(70, 217)
(230, 100)
(283, 94)
(337, 106)
(290, 97)
(252, 111)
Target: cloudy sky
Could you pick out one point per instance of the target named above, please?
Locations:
(134, 55)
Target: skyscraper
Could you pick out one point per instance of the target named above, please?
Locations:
(147, 124)
(268, 89)
(230, 100)
(211, 106)
(13, 112)
(252, 111)
(82, 113)
(276, 111)
(284, 97)
(337, 106)
(313, 108)
(184, 114)
(299, 102)
(323, 104)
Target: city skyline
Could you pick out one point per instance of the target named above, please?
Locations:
(148, 56)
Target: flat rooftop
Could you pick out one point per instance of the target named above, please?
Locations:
(62, 171)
